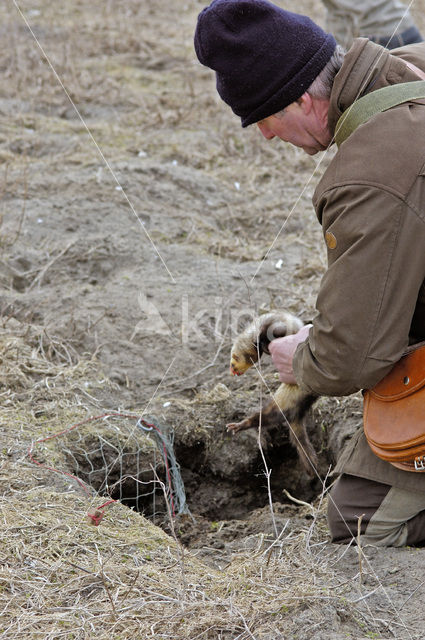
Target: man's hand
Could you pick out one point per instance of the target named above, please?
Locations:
(282, 352)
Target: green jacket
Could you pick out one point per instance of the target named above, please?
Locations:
(371, 204)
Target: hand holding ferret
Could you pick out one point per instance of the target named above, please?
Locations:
(282, 352)
(289, 405)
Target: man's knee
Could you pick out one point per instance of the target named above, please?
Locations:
(383, 515)
(352, 503)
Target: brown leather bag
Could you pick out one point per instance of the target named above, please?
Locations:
(394, 413)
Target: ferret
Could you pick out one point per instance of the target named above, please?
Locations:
(289, 404)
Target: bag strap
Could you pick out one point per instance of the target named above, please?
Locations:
(375, 102)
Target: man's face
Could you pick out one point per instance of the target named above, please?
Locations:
(303, 123)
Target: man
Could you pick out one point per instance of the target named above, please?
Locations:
(282, 72)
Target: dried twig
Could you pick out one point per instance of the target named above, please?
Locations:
(38, 279)
(359, 546)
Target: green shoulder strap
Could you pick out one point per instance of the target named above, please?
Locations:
(374, 102)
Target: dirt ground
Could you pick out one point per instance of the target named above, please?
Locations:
(141, 227)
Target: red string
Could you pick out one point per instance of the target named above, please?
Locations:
(95, 515)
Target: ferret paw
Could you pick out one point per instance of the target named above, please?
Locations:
(233, 427)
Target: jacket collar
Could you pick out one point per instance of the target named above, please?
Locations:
(366, 67)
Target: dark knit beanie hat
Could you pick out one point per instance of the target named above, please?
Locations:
(264, 57)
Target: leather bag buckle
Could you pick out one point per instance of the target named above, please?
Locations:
(420, 463)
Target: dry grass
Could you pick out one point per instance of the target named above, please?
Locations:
(61, 577)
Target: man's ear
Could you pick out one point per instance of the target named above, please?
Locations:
(306, 103)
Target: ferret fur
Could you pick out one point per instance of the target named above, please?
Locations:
(289, 405)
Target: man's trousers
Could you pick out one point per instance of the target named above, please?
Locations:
(387, 22)
(389, 516)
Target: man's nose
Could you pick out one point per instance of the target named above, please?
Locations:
(265, 131)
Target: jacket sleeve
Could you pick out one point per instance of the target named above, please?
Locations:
(367, 297)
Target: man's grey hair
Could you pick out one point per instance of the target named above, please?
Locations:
(321, 86)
